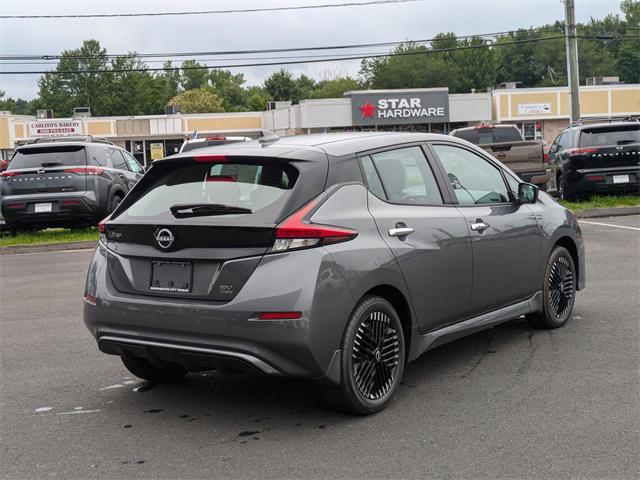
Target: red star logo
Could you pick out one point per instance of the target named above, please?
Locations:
(367, 110)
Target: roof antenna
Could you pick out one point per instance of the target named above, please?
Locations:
(267, 137)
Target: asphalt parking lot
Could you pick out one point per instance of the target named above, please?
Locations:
(509, 402)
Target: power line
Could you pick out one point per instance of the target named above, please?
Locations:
(269, 50)
(213, 12)
(293, 62)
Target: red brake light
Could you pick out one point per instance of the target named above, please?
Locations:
(484, 126)
(90, 299)
(102, 226)
(220, 178)
(8, 173)
(297, 232)
(215, 139)
(90, 170)
(545, 157)
(280, 316)
(210, 158)
(582, 151)
(16, 205)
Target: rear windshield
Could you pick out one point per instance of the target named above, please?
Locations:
(614, 135)
(48, 157)
(482, 136)
(242, 193)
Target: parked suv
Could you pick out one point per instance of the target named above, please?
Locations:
(596, 158)
(65, 182)
(335, 257)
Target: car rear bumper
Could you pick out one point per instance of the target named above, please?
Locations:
(66, 207)
(607, 180)
(204, 335)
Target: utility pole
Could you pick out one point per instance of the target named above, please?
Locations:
(571, 40)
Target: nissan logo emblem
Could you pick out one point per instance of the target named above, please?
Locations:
(41, 171)
(164, 238)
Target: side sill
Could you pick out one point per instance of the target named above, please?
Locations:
(423, 343)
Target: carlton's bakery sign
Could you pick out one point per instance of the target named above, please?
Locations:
(392, 107)
(55, 128)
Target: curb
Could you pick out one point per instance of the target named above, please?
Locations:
(608, 212)
(49, 247)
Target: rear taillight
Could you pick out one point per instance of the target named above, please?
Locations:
(545, 157)
(16, 205)
(582, 151)
(8, 174)
(90, 299)
(297, 231)
(102, 230)
(86, 170)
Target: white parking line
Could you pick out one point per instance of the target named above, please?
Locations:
(610, 225)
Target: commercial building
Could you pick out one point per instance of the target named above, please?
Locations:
(538, 112)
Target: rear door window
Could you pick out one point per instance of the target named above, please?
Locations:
(117, 159)
(614, 135)
(222, 192)
(56, 156)
(406, 176)
(133, 164)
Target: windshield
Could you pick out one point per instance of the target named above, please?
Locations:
(229, 192)
(614, 135)
(48, 156)
(483, 136)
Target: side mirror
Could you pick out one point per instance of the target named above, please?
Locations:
(527, 193)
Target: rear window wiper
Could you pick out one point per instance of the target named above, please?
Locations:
(206, 209)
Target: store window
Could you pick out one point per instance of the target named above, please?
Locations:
(530, 130)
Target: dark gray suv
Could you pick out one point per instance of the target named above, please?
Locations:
(336, 257)
(65, 182)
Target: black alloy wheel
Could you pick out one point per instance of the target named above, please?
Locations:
(372, 358)
(559, 291)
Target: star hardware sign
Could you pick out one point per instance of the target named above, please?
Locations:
(367, 110)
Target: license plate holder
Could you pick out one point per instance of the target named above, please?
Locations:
(42, 207)
(171, 276)
(621, 179)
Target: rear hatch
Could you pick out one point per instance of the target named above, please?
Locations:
(46, 169)
(609, 146)
(197, 228)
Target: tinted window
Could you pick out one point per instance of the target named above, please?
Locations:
(474, 179)
(482, 136)
(406, 176)
(98, 156)
(261, 188)
(117, 160)
(373, 180)
(614, 135)
(48, 157)
(133, 164)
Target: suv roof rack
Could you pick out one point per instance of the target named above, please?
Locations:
(76, 138)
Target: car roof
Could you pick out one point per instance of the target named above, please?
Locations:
(605, 124)
(66, 144)
(334, 144)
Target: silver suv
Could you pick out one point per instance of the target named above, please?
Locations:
(335, 257)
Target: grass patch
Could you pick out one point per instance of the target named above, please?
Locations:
(49, 235)
(603, 201)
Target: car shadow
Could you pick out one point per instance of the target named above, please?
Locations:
(261, 404)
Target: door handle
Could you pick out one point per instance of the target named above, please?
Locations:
(479, 226)
(400, 231)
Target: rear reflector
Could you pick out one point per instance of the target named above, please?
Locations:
(210, 158)
(280, 316)
(16, 205)
(70, 203)
(86, 170)
(90, 299)
(595, 178)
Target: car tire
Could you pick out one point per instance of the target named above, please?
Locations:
(558, 291)
(115, 202)
(372, 359)
(141, 368)
(13, 229)
(564, 189)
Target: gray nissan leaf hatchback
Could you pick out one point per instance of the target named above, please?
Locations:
(334, 257)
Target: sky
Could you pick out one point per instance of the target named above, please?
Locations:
(236, 31)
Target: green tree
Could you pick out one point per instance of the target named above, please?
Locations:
(198, 100)
(257, 98)
(230, 88)
(16, 106)
(305, 86)
(281, 86)
(335, 87)
(192, 76)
